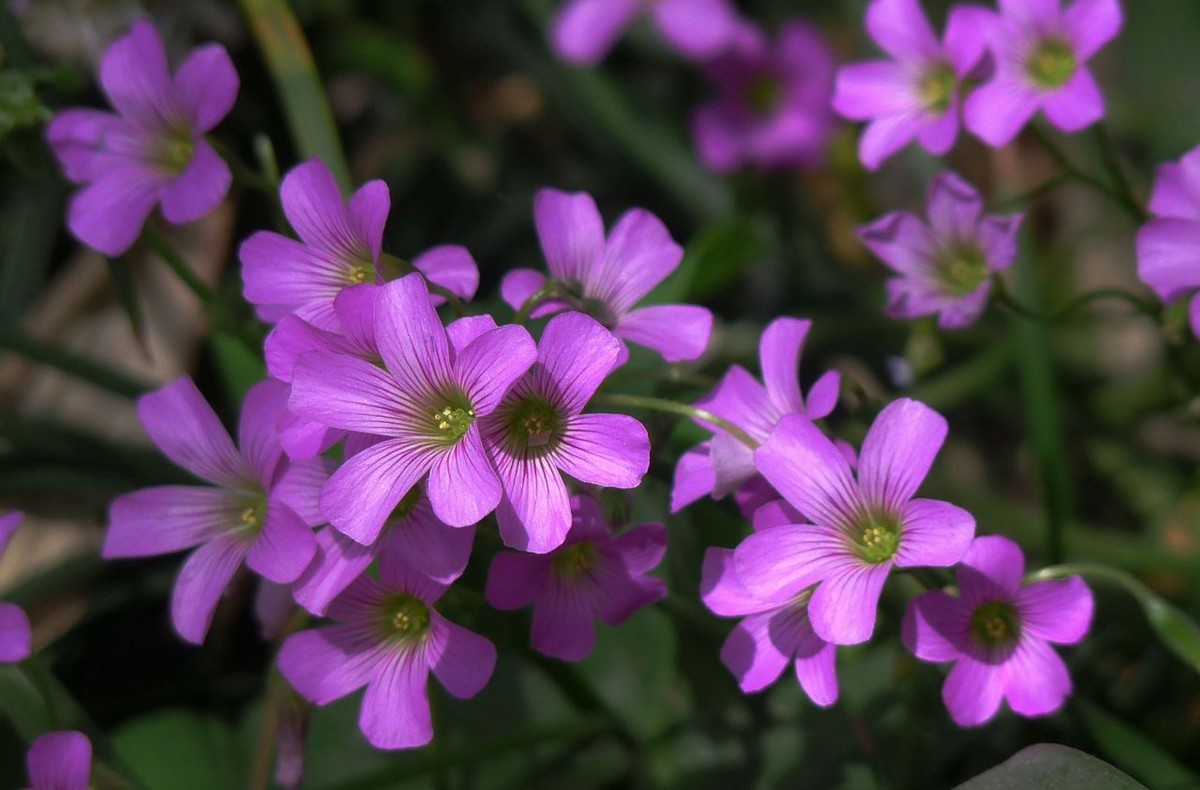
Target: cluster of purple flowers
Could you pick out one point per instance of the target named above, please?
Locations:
(831, 524)
(1030, 55)
(772, 106)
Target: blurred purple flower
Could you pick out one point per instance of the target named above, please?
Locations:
(773, 109)
(388, 638)
(341, 244)
(998, 632)
(437, 382)
(861, 527)
(60, 761)
(606, 278)
(153, 150)
(591, 576)
(773, 632)
(16, 636)
(1168, 246)
(1040, 52)
(945, 267)
(914, 96)
(724, 464)
(585, 31)
(539, 432)
(262, 510)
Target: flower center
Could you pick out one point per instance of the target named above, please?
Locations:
(962, 269)
(175, 152)
(575, 560)
(937, 88)
(533, 423)
(250, 521)
(1052, 64)
(879, 537)
(405, 616)
(453, 420)
(590, 305)
(995, 624)
(763, 94)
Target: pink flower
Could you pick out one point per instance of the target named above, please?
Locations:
(153, 150)
(1039, 50)
(914, 96)
(388, 637)
(585, 31)
(591, 576)
(261, 508)
(1168, 246)
(606, 278)
(60, 761)
(998, 633)
(15, 634)
(773, 108)
(945, 265)
(862, 525)
(772, 632)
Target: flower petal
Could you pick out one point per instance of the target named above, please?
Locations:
(367, 213)
(638, 255)
(575, 354)
(202, 579)
(108, 214)
(954, 207)
(816, 669)
(722, 590)
(328, 663)
(901, 242)
(1168, 257)
(1036, 681)
(568, 224)
(207, 85)
(874, 89)
(439, 550)
(536, 513)
(1058, 611)
(1077, 105)
(936, 626)
(199, 189)
(463, 486)
(694, 477)
(338, 561)
(466, 663)
(750, 654)
(362, 493)
(699, 29)
(642, 548)
(933, 533)
(679, 332)
(284, 547)
(165, 519)
(901, 29)
(717, 139)
(809, 471)
(520, 284)
(1090, 24)
(450, 266)
(779, 353)
(186, 429)
(60, 761)
(610, 450)
(775, 564)
(16, 636)
(898, 451)
(316, 210)
(395, 710)
(349, 393)
(563, 624)
(585, 30)
(991, 570)
(884, 136)
(842, 608)
(258, 436)
(515, 579)
(490, 364)
(997, 111)
(972, 691)
(136, 80)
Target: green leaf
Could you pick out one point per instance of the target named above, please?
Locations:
(238, 366)
(180, 750)
(122, 280)
(1135, 752)
(1050, 766)
(713, 261)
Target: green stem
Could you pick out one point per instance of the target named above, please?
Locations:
(680, 409)
(1023, 199)
(451, 298)
(1043, 410)
(175, 261)
(1143, 306)
(34, 673)
(290, 62)
(1125, 192)
(14, 340)
(1118, 196)
(243, 173)
(550, 289)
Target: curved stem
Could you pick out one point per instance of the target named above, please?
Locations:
(1145, 307)
(451, 298)
(243, 173)
(1125, 193)
(536, 298)
(36, 677)
(174, 260)
(1121, 196)
(680, 409)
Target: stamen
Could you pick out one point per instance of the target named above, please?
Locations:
(575, 560)
(879, 538)
(406, 616)
(1052, 64)
(937, 88)
(453, 421)
(995, 624)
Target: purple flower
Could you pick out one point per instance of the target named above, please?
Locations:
(412, 533)
(60, 761)
(341, 244)
(591, 576)
(388, 638)
(998, 632)
(585, 31)
(773, 110)
(724, 464)
(539, 432)
(861, 527)
(16, 637)
(606, 278)
(771, 633)
(426, 402)
(945, 267)
(262, 509)
(1168, 246)
(1039, 52)
(153, 150)
(914, 96)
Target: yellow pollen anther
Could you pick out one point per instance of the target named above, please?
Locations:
(357, 274)
(250, 517)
